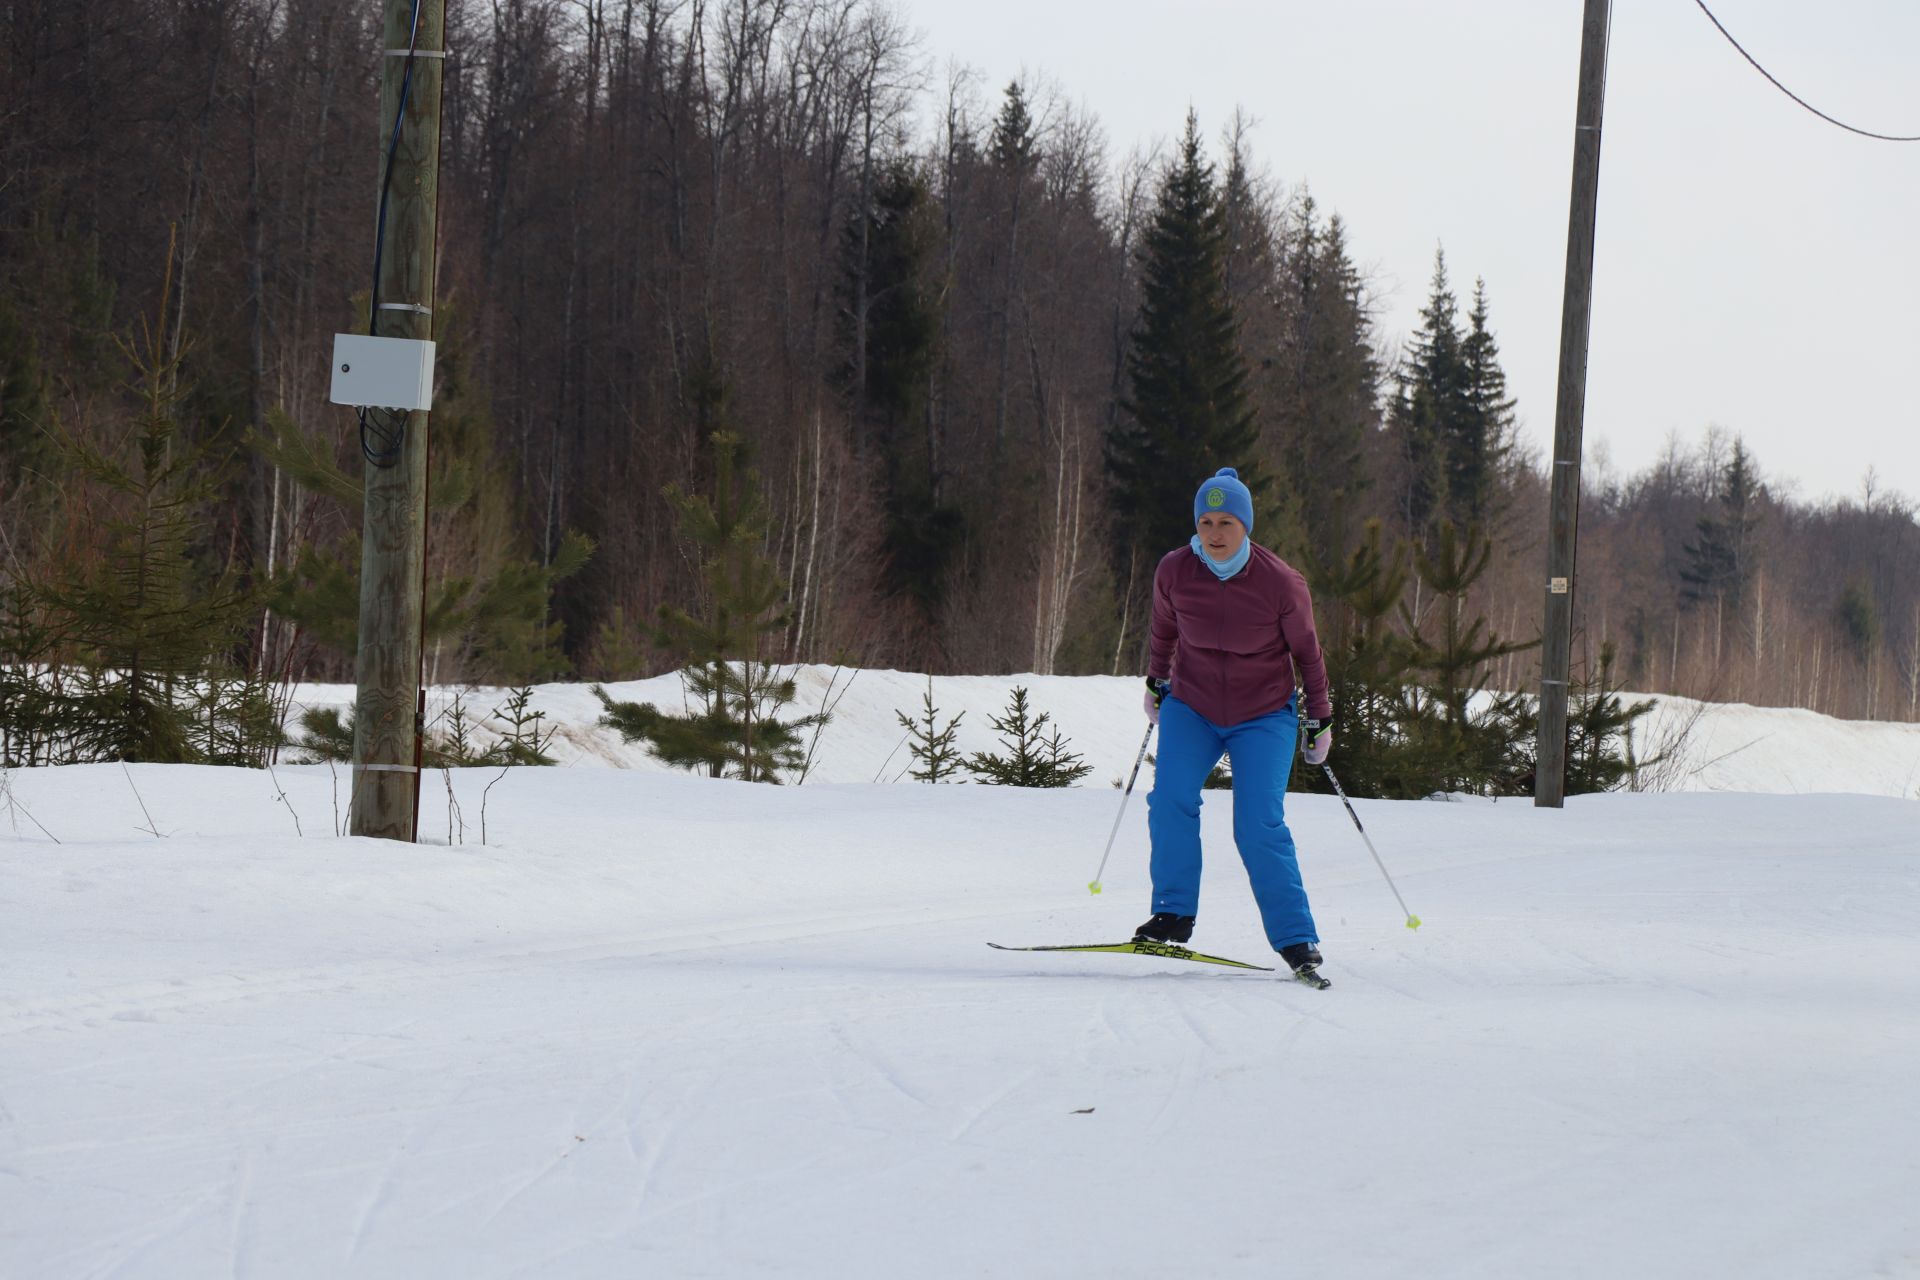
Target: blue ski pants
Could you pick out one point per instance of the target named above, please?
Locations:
(1262, 753)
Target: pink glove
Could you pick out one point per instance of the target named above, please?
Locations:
(1316, 739)
(1156, 690)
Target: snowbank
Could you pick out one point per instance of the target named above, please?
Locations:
(1713, 747)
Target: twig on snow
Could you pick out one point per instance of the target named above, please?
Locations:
(282, 797)
(13, 802)
(453, 809)
(337, 830)
(877, 773)
(828, 705)
(143, 804)
(483, 802)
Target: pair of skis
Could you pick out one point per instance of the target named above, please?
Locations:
(1308, 974)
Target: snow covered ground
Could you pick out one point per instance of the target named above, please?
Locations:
(660, 1026)
(1708, 746)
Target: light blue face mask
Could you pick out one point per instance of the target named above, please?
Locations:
(1224, 569)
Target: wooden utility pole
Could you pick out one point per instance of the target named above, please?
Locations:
(386, 738)
(1569, 416)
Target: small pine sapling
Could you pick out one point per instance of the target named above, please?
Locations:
(1032, 758)
(930, 744)
(1599, 730)
(524, 741)
(733, 726)
(329, 735)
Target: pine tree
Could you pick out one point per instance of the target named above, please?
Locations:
(1187, 411)
(507, 620)
(1014, 154)
(155, 625)
(24, 421)
(734, 727)
(1473, 750)
(1430, 395)
(1251, 261)
(522, 739)
(1598, 727)
(30, 680)
(1029, 757)
(329, 735)
(894, 243)
(1722, 558)
(929, 743)
(1323, 381)
(1368, 663)
(1480, 445)
(1858, 619)
(1013, 148)
(1451, 416)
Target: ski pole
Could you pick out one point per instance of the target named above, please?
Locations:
(1413, 921)
(1093, 885)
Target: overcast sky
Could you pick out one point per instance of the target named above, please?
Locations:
(1756, 267)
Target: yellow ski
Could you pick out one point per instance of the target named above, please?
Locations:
(1141, 947)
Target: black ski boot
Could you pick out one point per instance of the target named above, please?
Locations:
(1301, 955)
(1165, 927)
(1304, 959)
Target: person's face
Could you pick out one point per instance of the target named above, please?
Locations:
(1221, 535)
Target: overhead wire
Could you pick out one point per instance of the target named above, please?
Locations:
(1865, 133)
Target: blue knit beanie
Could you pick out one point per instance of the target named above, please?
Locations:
(1224, 492)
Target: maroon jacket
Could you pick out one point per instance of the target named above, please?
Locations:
(1231, 646)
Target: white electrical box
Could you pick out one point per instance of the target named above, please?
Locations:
(382, 373)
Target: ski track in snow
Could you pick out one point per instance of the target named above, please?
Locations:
(1660, 1036)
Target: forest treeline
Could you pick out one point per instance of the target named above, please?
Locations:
(976, 354)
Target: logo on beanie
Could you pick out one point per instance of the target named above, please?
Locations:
(1216, 497)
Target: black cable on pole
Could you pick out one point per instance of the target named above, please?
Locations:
(391, 438)
(1865, 133)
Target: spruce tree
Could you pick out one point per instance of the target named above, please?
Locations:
(1322, 382)
(1014, 156)
(1468, 749)
(1013, 148)
(928, 742)
(1598, 727)
(522, 739)
(25, 440)
(30, 699)
(1451, 416)
(734, 727)
(155, 624)
(1480, 445)
(1030, 757)
(1430, 395)
(894, 243)
(1187, 412)
(1369, 664)
(1722, 558)
(329, 735)
(1857, 618)
(1599, 751)
(1251, 262)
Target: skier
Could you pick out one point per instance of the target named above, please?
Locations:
(1230, 621)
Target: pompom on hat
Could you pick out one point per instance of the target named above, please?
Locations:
(1222, 492)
